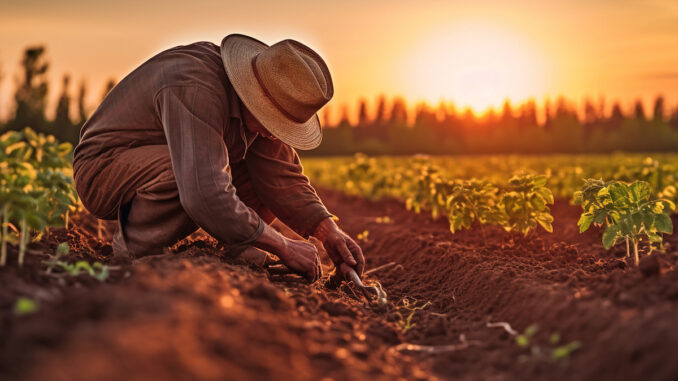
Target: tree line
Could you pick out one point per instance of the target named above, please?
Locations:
(391, 129)
(30, 100)
(515, 129)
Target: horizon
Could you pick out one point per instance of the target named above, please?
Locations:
(474, 55)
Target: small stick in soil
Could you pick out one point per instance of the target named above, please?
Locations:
(505, 325)
(370, 271)
(100, 229)
(435, 349)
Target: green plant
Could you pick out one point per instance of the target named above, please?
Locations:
(523, 339)
(526, 340)
(564, 351)
(627, 212)
(525, 204)
(95, 270)
(405, 310)
(36, 187)
(473, 200)
(430, 190)
(25, 306)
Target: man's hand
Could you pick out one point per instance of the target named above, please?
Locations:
(340, 247)
(302, 258)
(299, 256)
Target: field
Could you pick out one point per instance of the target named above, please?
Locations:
(500, 298)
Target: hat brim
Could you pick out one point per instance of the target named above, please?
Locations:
(237, 52)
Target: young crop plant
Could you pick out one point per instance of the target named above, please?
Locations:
(430, 191)
(627, 212)
(36, 187)
(25, 306)
(405, 310)
(473, 200)
(96, 270)
(524, 203)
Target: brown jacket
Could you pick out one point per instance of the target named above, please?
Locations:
(182, 98)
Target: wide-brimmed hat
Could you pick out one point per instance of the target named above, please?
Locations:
(283, 86)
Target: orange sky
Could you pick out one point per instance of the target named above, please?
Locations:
(475, 53)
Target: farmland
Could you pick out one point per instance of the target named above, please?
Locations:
(489, 270)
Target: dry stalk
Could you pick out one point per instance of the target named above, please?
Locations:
(505, 325)
(435, 349)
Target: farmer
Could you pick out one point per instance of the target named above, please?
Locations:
(204, 136)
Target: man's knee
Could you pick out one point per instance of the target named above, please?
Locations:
(104, 184)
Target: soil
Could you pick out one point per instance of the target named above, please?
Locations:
(195, 314)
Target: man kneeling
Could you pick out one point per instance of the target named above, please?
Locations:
(203, 136)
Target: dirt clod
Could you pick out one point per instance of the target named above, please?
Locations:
(649, 265)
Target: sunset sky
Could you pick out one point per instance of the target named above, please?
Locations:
(474, 53)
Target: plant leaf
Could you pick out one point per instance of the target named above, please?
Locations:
(663, 223)
(610, 236)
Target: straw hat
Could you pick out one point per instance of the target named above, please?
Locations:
(283, 86)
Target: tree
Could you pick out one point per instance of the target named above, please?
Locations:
(673, 120)
(616, 117)
(639, 111)
(344, 121)
(363, 119)
(110, 84)
(506, 112)
(62, 116)
(562, 109)
(31, 95)
(590, 113)
(82, 112)
(547, 113)
(398, 112)
(425, 117)
(528, 115)
(380, 115)
(326, 116)
(658, 114)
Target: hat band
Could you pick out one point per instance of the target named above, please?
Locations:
(270, 97)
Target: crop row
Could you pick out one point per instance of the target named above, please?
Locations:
(633, 203)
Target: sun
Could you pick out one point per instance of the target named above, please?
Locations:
(477, 66)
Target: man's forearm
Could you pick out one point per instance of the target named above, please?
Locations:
(324, 227)
(271, 241)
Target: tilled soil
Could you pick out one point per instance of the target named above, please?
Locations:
(193, 314)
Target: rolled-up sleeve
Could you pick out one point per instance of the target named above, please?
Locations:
(277, 178)
(193, 119)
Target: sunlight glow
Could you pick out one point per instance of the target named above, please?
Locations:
(475, 66)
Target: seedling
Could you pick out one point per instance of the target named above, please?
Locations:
(523, 339)
(36, 189)
(430, 190)
(525, 204)
(628, 212)
(25, 306)
(526, 340)
(96, 270)
(564, 351)
(405, 310)
(473, 200)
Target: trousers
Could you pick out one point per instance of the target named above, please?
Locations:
(136, 187)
